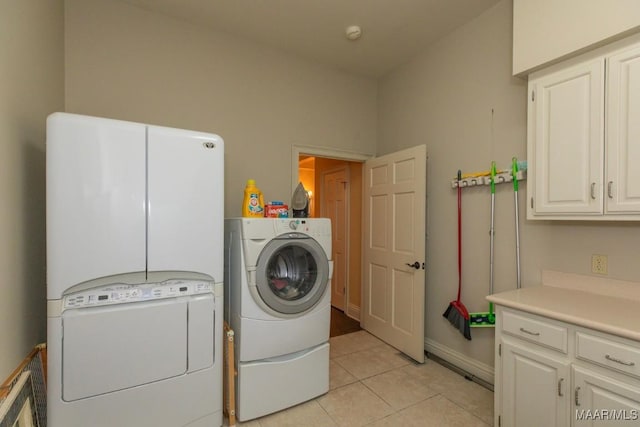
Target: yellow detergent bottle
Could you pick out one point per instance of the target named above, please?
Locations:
(253, 203)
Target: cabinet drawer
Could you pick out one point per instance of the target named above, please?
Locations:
(535, 330)
(611, 354)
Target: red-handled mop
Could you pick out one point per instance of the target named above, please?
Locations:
(457, 313)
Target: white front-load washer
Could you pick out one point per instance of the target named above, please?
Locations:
(278, 302)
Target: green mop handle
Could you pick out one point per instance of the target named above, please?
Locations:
(514, 172)
(493, 177)
(493, 192)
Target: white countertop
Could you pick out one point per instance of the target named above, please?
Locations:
(607, 305)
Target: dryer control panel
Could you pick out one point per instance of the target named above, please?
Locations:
(119, 293)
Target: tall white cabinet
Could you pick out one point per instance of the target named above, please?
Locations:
(139, 206)
(584, 137)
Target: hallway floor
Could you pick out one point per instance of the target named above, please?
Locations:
(372, 384)
(342, 324)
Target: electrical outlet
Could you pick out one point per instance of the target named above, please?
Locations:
(599, 264)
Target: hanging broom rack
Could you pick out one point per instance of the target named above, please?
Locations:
(501, 177)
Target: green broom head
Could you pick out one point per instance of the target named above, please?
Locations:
(458, 316)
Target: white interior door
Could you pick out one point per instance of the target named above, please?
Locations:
(395, 187)
(335, 206)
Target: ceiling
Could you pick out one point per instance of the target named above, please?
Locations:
(393, 31)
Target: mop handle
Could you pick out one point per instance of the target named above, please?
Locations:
(491, 230)
(514, 173)
(493, 177)
(459, 234)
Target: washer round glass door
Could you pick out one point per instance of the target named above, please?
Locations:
(292, 273)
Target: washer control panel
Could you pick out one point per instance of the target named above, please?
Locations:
(119, 293)
(291, 224)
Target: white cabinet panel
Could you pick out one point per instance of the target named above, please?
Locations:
(602, 401)
(592, 381)
(201, 332)
(583, 141)
(567, 154)
(616, 355)
(185, 201)
(534, 388)
(623, 132)
(534, 330)
(95, 199)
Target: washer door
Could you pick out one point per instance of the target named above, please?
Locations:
(292, 273)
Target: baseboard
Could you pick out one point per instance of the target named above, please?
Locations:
(473, 367)
(353, 311)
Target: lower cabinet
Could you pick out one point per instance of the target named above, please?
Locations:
(598, 400)
(530, 381)
(555, 374)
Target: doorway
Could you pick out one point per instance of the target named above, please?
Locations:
(334, 182)
(389, 294)
(335, 192)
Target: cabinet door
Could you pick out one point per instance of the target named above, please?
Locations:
(566, 139)
(623, 132)
(535, 388)
(185, 188)
(95, 199)
(603, 401)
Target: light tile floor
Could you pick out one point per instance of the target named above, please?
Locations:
(372, 384)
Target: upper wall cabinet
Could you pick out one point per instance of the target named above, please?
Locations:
(583, 137)
(545, 31)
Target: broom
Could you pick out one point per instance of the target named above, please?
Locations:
(457, 313)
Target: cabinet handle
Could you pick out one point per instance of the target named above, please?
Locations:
(622, 362)
(535, 334)
(577, 396)
(609, 189)
(532, 203)
(593, 190)
(560, 387)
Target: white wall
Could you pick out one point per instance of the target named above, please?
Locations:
(444, 98)
(124, 62)
(31, 87)
(546, 30)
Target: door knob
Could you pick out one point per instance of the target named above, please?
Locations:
(415, 265)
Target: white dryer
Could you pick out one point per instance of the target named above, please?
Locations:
(278, 301)
(145, 354)
(134, 274)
